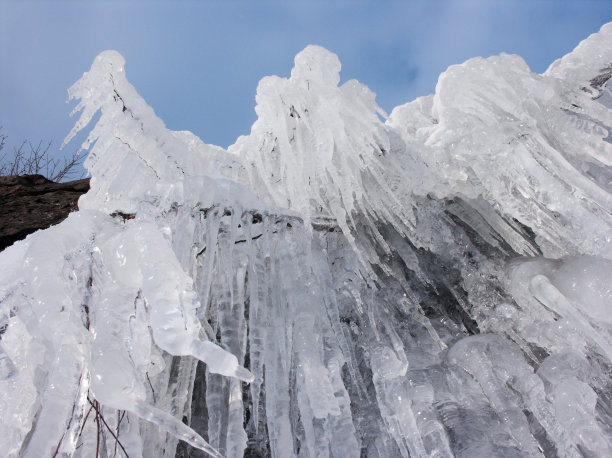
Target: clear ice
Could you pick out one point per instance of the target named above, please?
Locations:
(340, 282)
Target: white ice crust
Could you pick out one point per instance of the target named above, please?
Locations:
(310, 251)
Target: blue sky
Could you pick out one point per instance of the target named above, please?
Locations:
(197, 63)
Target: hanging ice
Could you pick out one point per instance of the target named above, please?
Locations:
(331, 285)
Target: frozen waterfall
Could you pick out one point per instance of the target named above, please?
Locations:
(338, 283)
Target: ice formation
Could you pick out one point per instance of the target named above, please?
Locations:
(339, 282)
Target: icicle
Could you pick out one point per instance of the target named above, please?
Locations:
(63, 394)
(257, 320)
(174, 427)
(347, 277)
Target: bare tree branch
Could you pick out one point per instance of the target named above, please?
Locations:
(30, 159)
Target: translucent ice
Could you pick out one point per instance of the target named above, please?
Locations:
(431, 283)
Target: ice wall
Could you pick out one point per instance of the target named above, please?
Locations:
(337, 283)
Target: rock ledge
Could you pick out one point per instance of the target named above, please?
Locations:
(31, 202)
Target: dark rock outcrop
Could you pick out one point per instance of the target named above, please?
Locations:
(31, 202)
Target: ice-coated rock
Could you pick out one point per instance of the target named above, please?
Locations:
(337, 283)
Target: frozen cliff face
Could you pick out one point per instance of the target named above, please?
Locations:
(337, 283)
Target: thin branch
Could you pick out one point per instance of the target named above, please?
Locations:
(30, 159)
(119, 419)
(101, 417)
(151, 385)
(98, 428)
(85, 420)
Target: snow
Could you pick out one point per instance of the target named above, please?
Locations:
(339, 282)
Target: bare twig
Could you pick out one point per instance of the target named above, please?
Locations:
(119, 419)
(97, 427)
(85, 420)
(30, 159)
(151, 385)
(100, 417)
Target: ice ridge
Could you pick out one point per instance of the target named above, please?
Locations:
(339, 282)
